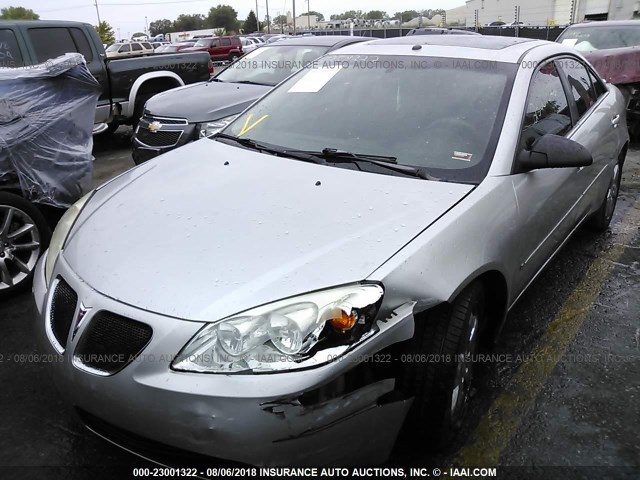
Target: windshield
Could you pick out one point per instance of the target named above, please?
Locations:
(270, 65)
(114, 47)
(439, 114)
(587, 39)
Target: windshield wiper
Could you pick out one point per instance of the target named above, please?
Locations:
(334, 155)
(251, 82)
(272, 149)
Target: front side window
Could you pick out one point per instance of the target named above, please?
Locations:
(125, 48)
(547, 109)
(392, 106)
(51, 42)
(579, 83)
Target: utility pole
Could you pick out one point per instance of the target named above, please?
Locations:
(97, 11)
(309, 14)
(257, 16)
(268, 18)
(146, 28)
(294, 16)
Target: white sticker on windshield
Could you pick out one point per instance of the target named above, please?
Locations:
(314, 80)
(464, 156)
(569, 42)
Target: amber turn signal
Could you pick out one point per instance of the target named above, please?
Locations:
(344, 321)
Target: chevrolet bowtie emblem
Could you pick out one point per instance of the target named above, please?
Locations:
(82, 313)
(154, 127)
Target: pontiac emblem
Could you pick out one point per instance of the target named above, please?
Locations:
(154, 127)
(82, 312)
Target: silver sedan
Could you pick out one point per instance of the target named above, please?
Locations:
(326, 269)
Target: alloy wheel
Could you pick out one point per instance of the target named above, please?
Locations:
(19, 246)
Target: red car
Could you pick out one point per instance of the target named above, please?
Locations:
(219, 48)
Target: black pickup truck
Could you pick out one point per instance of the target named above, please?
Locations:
(127, 83)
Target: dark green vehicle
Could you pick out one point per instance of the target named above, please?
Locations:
(127, 83)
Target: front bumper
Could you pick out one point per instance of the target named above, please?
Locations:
(255, 419)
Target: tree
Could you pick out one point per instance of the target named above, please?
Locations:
(18, 13)
(189, 22)
(160, 26)
(223, 16)
(313, 13)
(106, 33)
(407, 15)
(280, 20)
(251, 23)
(350, 14)
(375, 15)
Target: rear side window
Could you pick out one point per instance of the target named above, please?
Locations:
(51, 42)
(147, 45)
(82, 43)
(579, 84)
(226, 42)
(136, 47)
(10, 55)
(547, 109)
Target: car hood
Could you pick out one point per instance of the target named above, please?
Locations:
(205, 101)
(190, 236)
(617, 66)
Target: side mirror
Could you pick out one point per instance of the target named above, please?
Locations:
(553, 151)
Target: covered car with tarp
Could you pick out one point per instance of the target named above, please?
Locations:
(46, 120)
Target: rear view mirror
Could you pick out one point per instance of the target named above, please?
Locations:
(553, 151)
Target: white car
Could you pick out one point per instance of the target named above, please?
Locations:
(249, 44)
(132, 49)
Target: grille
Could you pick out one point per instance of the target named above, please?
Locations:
(111, 342)
(158, 139)
(165, 121)
(63, 306)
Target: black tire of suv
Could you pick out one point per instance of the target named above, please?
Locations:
(444, 335)
(42, 226)
(233, 57)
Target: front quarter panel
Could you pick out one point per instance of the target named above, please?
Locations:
(474, 237)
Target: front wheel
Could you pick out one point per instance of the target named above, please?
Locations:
(438, 369)
(602, 218)
(24, 235)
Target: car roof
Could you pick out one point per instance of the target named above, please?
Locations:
(484, 47)
(320, 41)
(607, 23)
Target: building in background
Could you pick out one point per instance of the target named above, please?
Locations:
(548, 12)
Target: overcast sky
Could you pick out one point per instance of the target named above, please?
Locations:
(129, 15)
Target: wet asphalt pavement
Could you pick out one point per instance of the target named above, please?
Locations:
(565, 392)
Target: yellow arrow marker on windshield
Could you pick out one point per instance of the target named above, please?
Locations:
(246, 127)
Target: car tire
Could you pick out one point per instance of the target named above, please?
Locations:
(437, 369)
(19, 253)
(233, 57)
(138, 110)
(600, 220)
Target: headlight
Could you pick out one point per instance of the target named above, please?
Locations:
(60, 234)
(286, 335)
(209, 129)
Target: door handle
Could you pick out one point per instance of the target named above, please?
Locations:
(615, 121)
